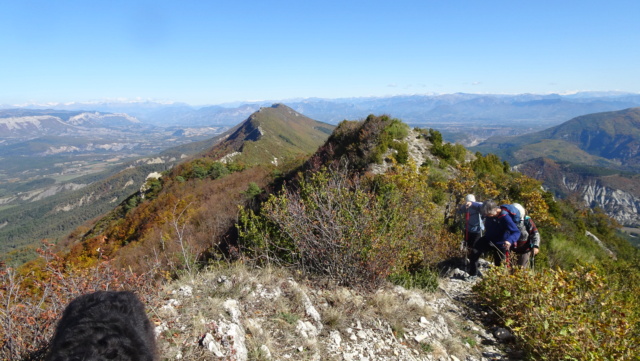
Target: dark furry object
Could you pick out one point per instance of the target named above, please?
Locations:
(104, 325)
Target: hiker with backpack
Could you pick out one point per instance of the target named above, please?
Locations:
(473, 222)
(501, 232)
(527, 249)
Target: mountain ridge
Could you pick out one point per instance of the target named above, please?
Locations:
(246, 143)
(616, 193)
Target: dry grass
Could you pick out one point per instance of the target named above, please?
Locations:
(334, 318)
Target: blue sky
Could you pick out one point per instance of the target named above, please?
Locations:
(210, 52)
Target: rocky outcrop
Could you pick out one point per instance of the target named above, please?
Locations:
(618, 195)
(623, 206)
(41, 193)
(418, 148)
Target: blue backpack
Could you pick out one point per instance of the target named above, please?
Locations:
(517, 218)
(513, 212)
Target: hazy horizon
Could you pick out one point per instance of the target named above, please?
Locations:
(122, 101)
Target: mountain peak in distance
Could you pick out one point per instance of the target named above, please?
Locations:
(271, 134)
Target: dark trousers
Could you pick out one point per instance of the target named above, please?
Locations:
(482, 246)
(471, 238)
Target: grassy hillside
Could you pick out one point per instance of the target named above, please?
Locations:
(273, 134)
(561, 151)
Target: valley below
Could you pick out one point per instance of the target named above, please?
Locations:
(37, 165)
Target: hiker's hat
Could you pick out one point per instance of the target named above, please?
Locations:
(521, 209)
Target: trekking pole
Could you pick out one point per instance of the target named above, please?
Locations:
(503, 256)
(532, 260)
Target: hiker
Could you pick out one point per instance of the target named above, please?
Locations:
(530, 247)
(501, 232)
(519, 220)
(473, 222)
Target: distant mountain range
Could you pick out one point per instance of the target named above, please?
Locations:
(57, 156)
(21, 123)
(527, 110)
(467, 119)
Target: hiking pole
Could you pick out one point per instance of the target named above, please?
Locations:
(532, 260)
(503, 256)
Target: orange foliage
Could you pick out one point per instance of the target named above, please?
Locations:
(187, 217)
(33, 297)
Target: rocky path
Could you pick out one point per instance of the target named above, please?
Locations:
(242, 314)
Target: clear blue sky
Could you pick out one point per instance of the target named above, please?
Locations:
(209, 52)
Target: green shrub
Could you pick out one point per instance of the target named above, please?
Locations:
(490, 164)
(579, 314)
(152, 188)
(397, 129)
(449, 153)
(435, 137)
(252, 190)
(402, 155)
(288, 317)
(218, 170)
(426, 347)
(202, 168)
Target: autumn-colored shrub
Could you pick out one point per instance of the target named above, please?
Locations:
(557, 314)
(355, 229)
(33, 298)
